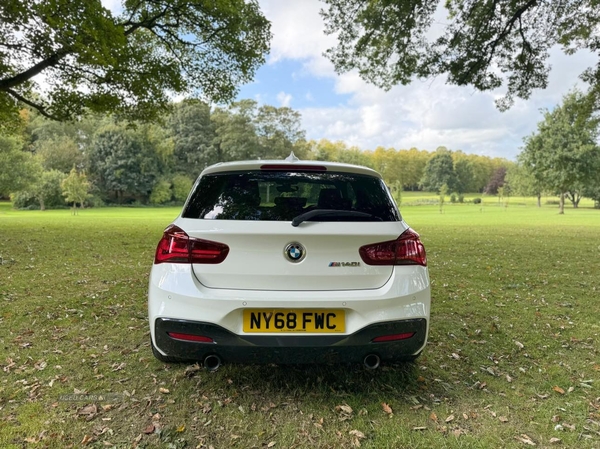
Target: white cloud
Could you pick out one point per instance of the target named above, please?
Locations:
(284, 99)
(425, 114)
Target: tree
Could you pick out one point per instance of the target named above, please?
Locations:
(17, 167)
(563, 155)
(465, 179)
(76, 188)
(439, 171)
(47, 189)
(496, 181)
(278, 130)
(58, 153)
(124, 162)
(130, 63)
(485, 43)
(522, 182)
(193, 137)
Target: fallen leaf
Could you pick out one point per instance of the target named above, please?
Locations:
(164, 390)
(433, 417)
(149, 429)
(555, 440)
(519, 344)
(503, 419)
(420, 428)
(449, 418)
(526, 439)
(88, 410)
(86, 440)
(358, 434)
(181, 428)
(558, 389)
(386, 408)
(455, 356)
(344, 409)
(571, 390)
(271, 444)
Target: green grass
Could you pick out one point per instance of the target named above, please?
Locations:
(73, 319)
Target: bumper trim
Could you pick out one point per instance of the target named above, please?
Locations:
(290, 349)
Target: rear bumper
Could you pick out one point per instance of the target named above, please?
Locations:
(288, 349)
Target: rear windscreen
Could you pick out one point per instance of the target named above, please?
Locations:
(281, 196)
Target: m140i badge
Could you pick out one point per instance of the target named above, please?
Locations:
(294, 252)
(344, 264)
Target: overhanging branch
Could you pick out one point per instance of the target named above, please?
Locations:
(35, 106)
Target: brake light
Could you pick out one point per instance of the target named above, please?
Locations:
(293, 167)
(405, 250)
(177, 247)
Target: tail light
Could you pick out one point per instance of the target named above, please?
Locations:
(178, 247)
(393, 337)
(405, 250)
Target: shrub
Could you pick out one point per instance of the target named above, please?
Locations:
(477, 201)
(161, 193)
(461, 198)
(181, 187)
(453, 198)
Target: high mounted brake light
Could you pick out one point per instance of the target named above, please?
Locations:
(177, 247)
(405, 250)
(293, 167)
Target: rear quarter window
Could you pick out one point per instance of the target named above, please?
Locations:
(283, 195)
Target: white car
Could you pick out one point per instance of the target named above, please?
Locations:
(289, 262)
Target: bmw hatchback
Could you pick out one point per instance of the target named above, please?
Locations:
(289, 262)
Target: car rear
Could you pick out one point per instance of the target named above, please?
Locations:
(289, 262)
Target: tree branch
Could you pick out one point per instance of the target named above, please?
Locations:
(35, 106)
(52, 60)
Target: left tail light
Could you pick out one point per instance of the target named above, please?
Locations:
(405, 250)
(178, 247)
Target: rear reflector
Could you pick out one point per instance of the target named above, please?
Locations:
(177, 247)
(190, 337)
(293, 167)
(393, 337)
(405, 250)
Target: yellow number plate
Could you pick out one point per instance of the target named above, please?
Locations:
(302, 320)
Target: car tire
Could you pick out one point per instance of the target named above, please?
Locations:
(164, 358)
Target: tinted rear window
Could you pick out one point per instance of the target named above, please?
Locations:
(281, 196)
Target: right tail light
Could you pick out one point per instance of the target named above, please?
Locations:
(405, 250)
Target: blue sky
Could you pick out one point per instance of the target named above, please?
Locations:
(425, 114)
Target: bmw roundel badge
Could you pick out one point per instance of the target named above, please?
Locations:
(294, 252)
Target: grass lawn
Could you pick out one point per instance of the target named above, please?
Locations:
(512, 361)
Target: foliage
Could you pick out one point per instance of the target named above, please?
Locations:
(496, 181)
(124, 162)
(193, 137)
(161, 193)
(18, 169)
(246, 131)
(76, 187)
(483, 43)
(563, 155)
(94, 60)
(47, 189)
(59, 153)
(439, 171)
(181, 187)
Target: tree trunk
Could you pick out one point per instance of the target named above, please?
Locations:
(539, 200)
(42, 205)
(561, 207)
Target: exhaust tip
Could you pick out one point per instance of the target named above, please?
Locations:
(372, 361)
(212, 362)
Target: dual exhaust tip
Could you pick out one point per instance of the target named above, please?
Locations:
(213, 362)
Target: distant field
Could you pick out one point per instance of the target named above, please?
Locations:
(513, 357)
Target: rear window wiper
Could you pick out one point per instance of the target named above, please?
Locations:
(332, 214)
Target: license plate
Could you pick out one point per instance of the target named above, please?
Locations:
(302, 320)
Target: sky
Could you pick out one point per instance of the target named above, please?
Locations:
(425, 114)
